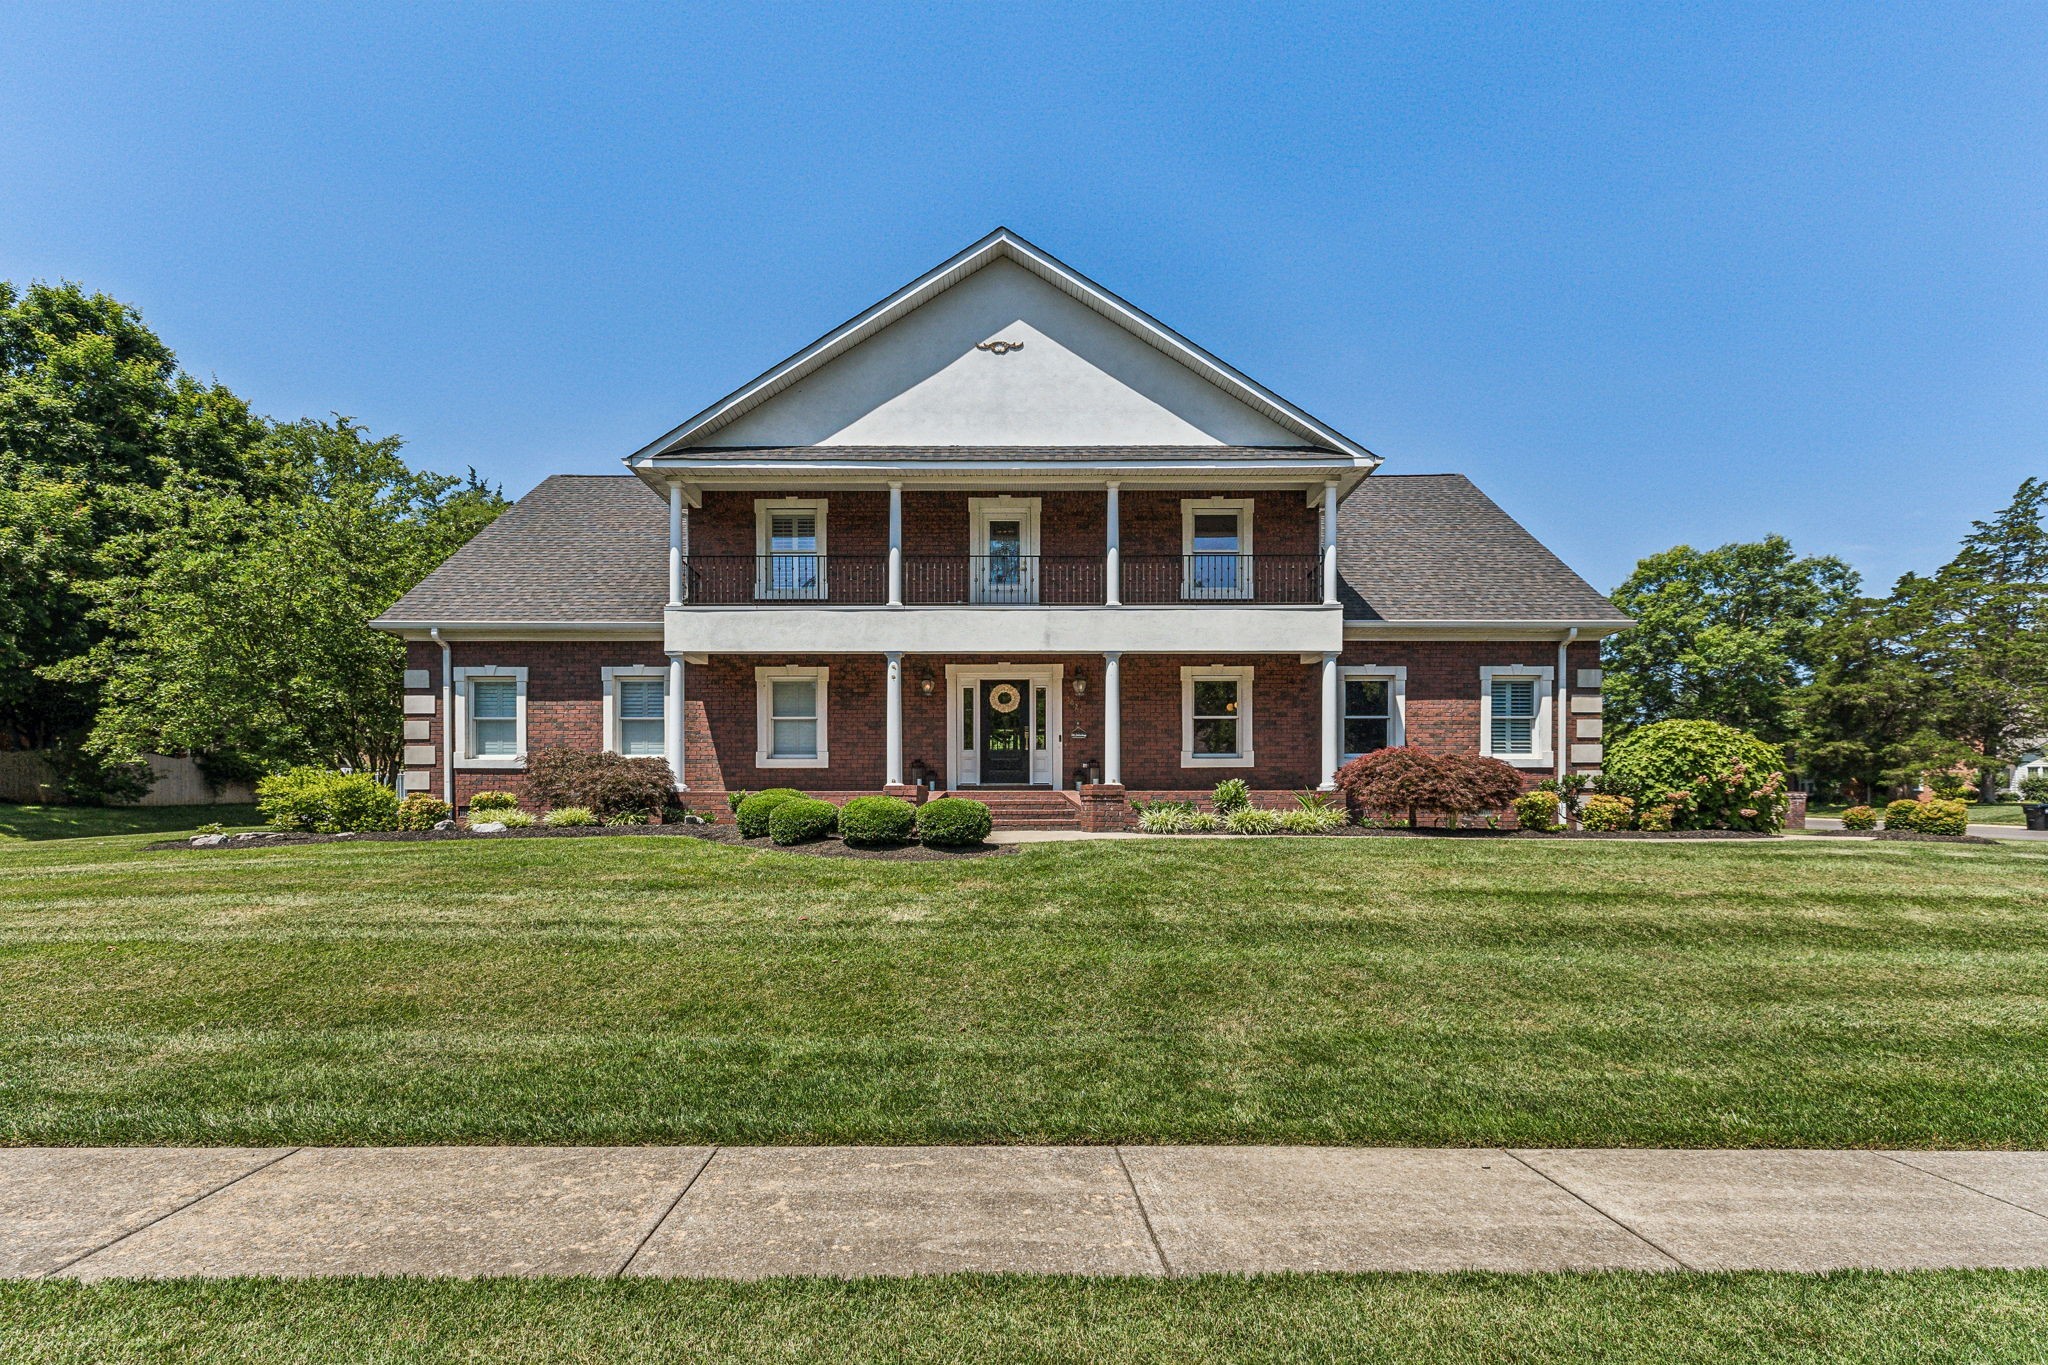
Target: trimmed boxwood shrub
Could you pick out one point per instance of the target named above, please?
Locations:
(1536, 810)
(1928, 817)
(483, 802)
(1859, 817)
(421, 811)
(1902, 815)
(316, 801)
(953, 821)
(754, 812)
(1605, 813)
(877, 820)
(1726, 778)
(801, 820)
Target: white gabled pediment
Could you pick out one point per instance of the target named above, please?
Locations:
(1002, 346)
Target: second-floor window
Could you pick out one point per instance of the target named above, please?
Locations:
(790, 554)
(1216, 548)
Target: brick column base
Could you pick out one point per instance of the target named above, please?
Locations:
(1795, 811)
(914, 795)
(1103, 808)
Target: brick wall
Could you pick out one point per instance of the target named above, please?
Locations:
(565, 705)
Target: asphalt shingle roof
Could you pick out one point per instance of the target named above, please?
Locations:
(1410, 547)
(580, 547)
(1432, 547)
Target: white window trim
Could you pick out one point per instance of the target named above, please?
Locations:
(764, 727)
(614, 735)
(980, 511)
(1397, 699)
(465, 757)
(1242, 676)
(764, 585)
(1543, 726)
(1189, 509)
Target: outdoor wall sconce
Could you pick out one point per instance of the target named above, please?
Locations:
(1080, 684)
(925, 685)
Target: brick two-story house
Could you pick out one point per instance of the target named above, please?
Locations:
(1001, 532)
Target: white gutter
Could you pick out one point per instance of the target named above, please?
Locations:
(447, 722)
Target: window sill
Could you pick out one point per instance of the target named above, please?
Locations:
(1525, 760)
(513, 764)
(1188, 760)
(762, 760)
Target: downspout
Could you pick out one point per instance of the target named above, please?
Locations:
(447, 722)
(1563, 697)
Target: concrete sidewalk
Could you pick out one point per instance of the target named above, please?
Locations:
(744, 1212)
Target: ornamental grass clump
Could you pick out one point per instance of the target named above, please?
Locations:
(316, 801)
(1251, 820)
(754, 812)
(877, 820)
(953, 822)
(570, 817)
(1728, 778)
(510, 819)
(1405, 780)
(802, 820)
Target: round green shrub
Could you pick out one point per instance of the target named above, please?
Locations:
(753, 813)
(2034, 789)
(1859, 817)
(877, 820)
(317, 801)
(570, 817)
(1603, 812)
(1928, 817)
(1902, 815)
(1730, 779)
(485, 802)
(802, 820)
(421, 811)
(1536, 810)
(953, 821)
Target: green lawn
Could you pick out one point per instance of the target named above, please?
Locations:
(1923, 1319)
(1979, 814)
(73, 822)
(1805, 993)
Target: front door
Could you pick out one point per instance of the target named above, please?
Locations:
(1005, 733)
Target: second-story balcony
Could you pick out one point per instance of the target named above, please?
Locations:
(810, 580)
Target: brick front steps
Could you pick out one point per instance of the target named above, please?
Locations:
(1019, 809)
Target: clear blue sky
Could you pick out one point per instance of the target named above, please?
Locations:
(1647, 274)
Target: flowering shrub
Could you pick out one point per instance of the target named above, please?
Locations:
(1408, 780)
(1859, 817)
(1711, 776)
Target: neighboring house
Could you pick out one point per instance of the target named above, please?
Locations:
(1001, 530)
(2033, 763)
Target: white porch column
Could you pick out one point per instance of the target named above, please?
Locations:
(672, 721)
(892, 744)
(1112, 718)
(895, 544)
(1333, 724)
(1113, 564)
(1330, 543)
(675, 544)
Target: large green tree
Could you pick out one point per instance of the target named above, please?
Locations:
(234, 611)
(92, 408)
(1727, 634)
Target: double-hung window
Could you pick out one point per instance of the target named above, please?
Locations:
(1216, 717)
(1373, 703)
(791, 719)
(790, 548)
(636, 711)
(490, 716)
(1515, 719)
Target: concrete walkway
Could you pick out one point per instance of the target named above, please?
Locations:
(743, 1212)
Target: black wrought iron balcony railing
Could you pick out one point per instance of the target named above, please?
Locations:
(1157, 580)
(1000, 580)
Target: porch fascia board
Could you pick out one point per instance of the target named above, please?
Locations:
(1237, 629)
(697, 476)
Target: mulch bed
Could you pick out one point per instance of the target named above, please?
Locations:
(716, 834)
(1901, 836)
